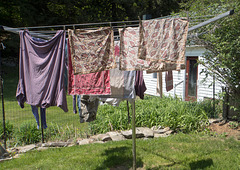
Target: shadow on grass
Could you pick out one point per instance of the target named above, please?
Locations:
(119, 158)
(201, 164)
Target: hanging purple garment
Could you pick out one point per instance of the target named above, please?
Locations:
(41, 71)
(140, 86)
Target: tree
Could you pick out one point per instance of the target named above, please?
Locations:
(222, 41)
(27, 13)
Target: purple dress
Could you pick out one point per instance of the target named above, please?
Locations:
(41, 71)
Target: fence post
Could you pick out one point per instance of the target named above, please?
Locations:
(41, 115)
(1, 86)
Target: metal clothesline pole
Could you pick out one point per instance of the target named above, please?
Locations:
(85, 24)
(133, 136)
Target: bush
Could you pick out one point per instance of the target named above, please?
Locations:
(56, 132)
(8, 130)
(153, 111)
(27, 134)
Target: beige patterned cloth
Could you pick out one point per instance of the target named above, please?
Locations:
(92, 50)
(163, 40)
(129, 46)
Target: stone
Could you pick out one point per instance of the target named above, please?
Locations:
(214, 121)
(166, 128)
(102, 137)
(156, 135)
(98, 142)
(56, 144)
(69, 141)
(161, 131)
(17, 155)
(85, 141)
(26, 148)
(156, 127)
(3, 152)
(41, 148)
(4, 159)
(128, 134)
(115, 136)
(169, 132)
(147, 132)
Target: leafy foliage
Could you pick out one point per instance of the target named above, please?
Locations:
(222, 41)
(8, 130)
(49, 12)
(27, 13)
(153, 111)
(27, 134)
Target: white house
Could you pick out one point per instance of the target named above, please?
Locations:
(193, 86)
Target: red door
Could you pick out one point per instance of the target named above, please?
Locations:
(191, 79)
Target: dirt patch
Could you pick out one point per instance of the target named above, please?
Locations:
(228, 129)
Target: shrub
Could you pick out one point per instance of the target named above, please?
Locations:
(8, 130)
(27, 134)
(56, 132)
(153, 111)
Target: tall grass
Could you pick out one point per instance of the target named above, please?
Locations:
(154, 111)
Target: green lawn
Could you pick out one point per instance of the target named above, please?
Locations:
(63, 122)
(181, 151)
(17, 116)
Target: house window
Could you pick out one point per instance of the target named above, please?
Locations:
(154, 75)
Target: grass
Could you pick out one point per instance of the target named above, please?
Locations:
(17, 115)
(62, 123)
(181, 151)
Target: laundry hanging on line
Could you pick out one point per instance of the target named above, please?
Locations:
(92, 50)
(169, 80)
(42, 114)
(87, 84)
(129, 60)
(163, 40)
(92, 41)
(140, 86)
(41, 71)
(122, 84)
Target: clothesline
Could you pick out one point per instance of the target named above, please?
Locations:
(170, 48)
(125, 24)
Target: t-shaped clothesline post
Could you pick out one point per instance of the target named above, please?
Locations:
(133, 136)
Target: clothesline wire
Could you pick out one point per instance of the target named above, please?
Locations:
(88, 24)
(124, 24)
(85, 24)
(53, 32)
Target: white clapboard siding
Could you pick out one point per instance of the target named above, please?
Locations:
(151, 83)
(204, 90)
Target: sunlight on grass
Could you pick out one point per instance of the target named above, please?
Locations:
(179, 151)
